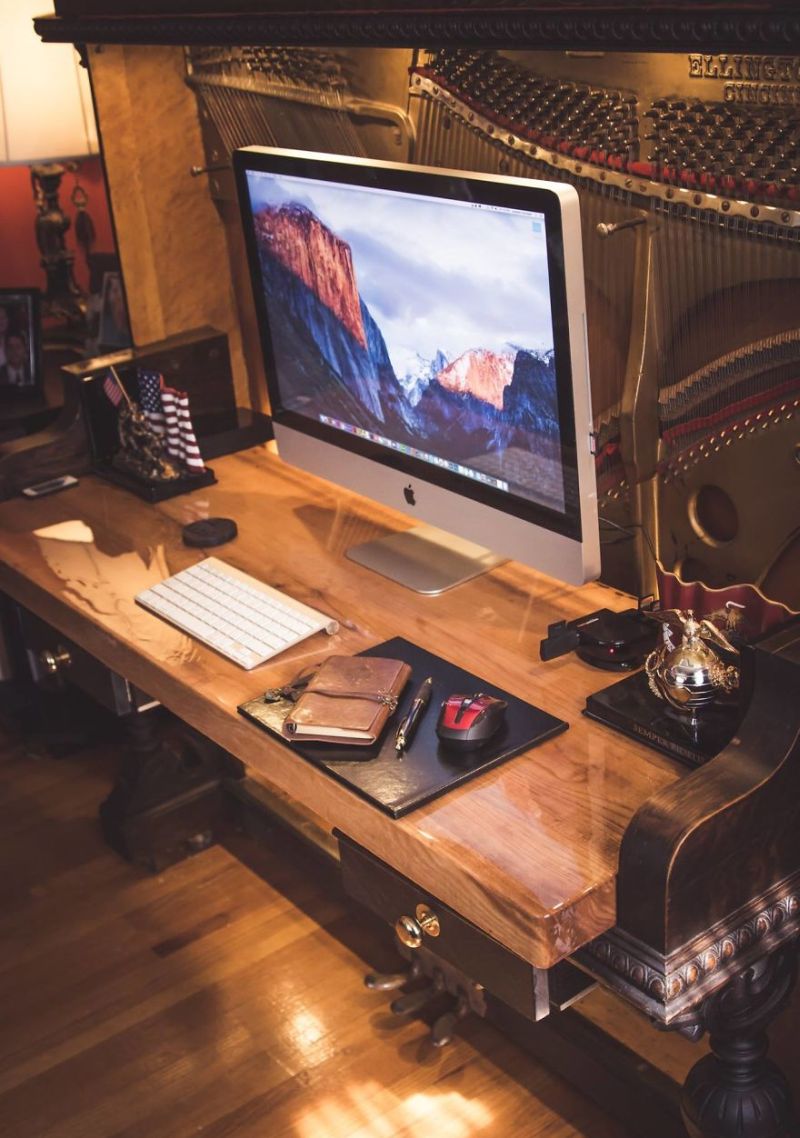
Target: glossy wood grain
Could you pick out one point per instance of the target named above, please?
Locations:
(224, 998)
(529, 851)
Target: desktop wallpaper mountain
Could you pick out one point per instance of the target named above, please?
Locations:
(423, 323)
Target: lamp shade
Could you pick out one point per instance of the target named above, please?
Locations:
(45, 99)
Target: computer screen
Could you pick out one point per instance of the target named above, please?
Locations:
(424, 343)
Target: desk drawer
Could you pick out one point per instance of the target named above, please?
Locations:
(392, 896)
(51, 654)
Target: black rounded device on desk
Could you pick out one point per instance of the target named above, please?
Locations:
(209, 532)
(466, 722)
(616, 641)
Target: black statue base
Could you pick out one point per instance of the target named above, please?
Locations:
(154, 491)
(630, 707)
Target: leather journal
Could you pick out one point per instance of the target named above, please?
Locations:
(348, 701)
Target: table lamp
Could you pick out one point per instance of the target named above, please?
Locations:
(46, 120)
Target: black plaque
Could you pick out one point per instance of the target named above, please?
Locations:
(630, 707)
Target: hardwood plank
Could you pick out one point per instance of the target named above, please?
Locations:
(225, 999)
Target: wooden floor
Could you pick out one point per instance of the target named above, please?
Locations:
(222, 998)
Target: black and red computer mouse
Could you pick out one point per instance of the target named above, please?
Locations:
(467, 722)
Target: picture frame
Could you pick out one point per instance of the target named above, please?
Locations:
(114, 330)
(99, 264)
(21, 377)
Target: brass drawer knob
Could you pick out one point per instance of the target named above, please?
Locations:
(410, 931)
(54, 661)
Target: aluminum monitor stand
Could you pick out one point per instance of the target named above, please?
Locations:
(425, 559)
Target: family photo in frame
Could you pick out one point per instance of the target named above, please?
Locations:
(20, 344)
(107, 323)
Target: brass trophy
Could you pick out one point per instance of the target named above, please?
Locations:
(692, 675)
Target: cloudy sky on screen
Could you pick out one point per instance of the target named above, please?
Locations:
(435, 276)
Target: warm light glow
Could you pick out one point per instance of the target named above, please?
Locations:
(450, 1115)
(306, 1030)
(74, 530)
(371, 1111)
(45, 100)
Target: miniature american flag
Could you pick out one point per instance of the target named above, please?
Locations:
(181, 441)
(167, 412)
(112, 391)
(150, 383)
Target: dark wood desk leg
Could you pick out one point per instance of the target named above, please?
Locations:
(168, 800)
(736, 1092)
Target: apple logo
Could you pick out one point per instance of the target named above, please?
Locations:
(408, 494)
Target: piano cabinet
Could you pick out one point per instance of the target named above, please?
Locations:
(680, 127)
(708, 900)
(708, 904)
(708, 915)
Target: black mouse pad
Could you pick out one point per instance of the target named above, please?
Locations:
(427, 769)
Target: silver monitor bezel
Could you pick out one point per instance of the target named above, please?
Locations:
(568, 546)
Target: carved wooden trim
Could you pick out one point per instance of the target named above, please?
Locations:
(738, 811)
(665, 987)
(735, 1091)
(609, 29)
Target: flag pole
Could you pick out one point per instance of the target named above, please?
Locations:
(121, 387)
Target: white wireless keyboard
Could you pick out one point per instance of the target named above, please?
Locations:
(245, 620)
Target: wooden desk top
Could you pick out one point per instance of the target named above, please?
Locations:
(529, 851)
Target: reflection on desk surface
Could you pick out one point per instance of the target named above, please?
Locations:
(528, 851)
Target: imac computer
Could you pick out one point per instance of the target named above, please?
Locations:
(424, 340)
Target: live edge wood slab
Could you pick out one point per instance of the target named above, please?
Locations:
(528, 852)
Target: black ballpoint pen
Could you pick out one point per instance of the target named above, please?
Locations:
(408, 724)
